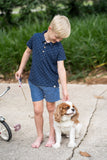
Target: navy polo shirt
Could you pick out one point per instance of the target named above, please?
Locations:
(44, 60)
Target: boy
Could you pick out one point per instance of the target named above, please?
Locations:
(47, 65)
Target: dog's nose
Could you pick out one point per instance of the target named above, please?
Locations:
(73, 109)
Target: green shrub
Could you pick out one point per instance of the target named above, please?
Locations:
(100, 6)
(86, 47)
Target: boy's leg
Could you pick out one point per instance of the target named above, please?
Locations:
(38, 116)
(51, 108)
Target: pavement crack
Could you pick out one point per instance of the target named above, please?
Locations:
(95, 108)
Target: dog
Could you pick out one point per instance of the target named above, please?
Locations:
(66, 122)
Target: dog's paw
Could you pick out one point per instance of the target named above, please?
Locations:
(72, 144)
(56, 145)
(77, 136)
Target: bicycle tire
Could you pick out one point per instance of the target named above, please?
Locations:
(9, 136)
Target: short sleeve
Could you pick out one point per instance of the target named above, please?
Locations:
(61, 53)
(30, 42)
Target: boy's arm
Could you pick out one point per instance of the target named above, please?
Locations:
(63, 79)
(24, 60)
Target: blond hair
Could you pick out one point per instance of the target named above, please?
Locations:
(61, 26)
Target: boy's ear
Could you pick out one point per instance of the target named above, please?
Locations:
(49, 27)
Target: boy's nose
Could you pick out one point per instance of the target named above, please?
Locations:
(58, 40)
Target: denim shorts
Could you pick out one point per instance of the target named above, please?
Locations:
(51, 94)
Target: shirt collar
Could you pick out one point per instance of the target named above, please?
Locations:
(43, 38)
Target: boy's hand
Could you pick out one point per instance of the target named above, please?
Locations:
(65, 96)
(18, 74)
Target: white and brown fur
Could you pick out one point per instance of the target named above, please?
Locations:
(66, 122)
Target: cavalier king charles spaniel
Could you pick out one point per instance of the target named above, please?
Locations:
(66, 122)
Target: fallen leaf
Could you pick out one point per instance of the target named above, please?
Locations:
(85, 154)
(99, 97)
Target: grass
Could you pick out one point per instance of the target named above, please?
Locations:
(85, 49)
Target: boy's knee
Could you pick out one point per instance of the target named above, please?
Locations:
(50, 107)
(37, 111)
(38, 108)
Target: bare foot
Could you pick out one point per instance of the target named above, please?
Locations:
(37, 143)
(50, 142)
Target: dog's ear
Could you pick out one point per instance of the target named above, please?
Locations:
(57, 114)
(75, 117)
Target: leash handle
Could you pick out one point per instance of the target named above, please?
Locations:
(20, 82)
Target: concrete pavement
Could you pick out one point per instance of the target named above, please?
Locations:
(91, 101)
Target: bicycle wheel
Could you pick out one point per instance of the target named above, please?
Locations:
(5, 131)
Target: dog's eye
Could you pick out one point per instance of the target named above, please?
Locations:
(67, 107)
